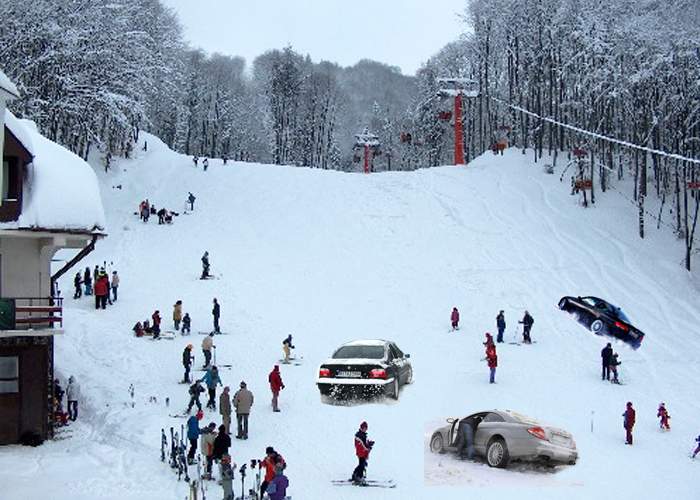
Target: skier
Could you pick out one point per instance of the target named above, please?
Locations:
(73, 396)
(614, 363)
(271, 461)
(277, 488)
(207, 346)
(662, 413)
(211, 379)
(187, 359)
(195, 390)
(287, 346)
(227, 477)
(221, 444)
(87, 279)
(242, 402)
(216, 313)
(362, 448)
(77, 282)
(115, 284)
(193, 432)
(205, 164)
(205, 266)
(697, 449)
(177, 315)
(195, 160)
(156, 324)
(206, 447)
(276, 385)
(186, 322)
(225, 409)
(527, 323)
(629, 420)
(492, 360)
(190, 200)
(501, 325)
(101, 291)
(606, 356)
(454, 317)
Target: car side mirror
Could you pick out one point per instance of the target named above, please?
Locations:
(407, 355)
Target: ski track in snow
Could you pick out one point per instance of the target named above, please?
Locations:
(331, 257)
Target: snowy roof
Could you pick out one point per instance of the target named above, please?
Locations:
(7, 87)
(60, 190)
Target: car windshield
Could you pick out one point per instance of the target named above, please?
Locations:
(360, 351)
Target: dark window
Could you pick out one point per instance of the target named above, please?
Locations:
(360, 351)
(10, 179)
(396, 351)
(9, 374)
(493, 417)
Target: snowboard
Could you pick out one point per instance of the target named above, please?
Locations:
(367, 483)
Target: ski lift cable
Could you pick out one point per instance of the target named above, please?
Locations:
(595, 135)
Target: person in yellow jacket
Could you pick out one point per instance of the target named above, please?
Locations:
(177, 315)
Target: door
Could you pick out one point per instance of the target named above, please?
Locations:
(10, 399)
(7, 314)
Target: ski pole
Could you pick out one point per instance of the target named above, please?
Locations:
(592, 414)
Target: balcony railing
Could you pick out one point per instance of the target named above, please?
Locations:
(31, 313)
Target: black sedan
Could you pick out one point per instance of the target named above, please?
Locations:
(602, 318)
(365, 367)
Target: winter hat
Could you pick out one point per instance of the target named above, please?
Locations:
(243, 385)
(200, 415)
(363, 425)
(269, 450)
(629, 403)
(212, 425)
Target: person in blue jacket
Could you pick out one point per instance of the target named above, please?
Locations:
(193, 432)
(211, 378)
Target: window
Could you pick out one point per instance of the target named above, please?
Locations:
(493, 417)
(395, 351)
(360, 351)
(10, 179)
(9, 374)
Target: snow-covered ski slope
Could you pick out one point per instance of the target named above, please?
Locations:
(331, 257)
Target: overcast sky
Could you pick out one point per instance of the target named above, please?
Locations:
(402, 33)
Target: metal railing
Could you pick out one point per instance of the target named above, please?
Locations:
(31, 313)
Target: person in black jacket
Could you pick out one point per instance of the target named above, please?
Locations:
(195, 390)
(77, 282)
(216, 312)
(606, 355)
(527, 326)
(205, 266)
(187, 362)
(501, 325)
(221, 444)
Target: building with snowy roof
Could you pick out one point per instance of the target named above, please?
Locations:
(50, 200)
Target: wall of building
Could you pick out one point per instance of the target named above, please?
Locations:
(25, 267)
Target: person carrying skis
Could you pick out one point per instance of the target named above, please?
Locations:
(77, 283)
(492, 360)
(190, 200)
(115, 284)
(225, 409)
(187, 359)
(527, 323)
(501, 326)
(287, 347)
(277, 488)
(207, 346)
(193, 432)
(454, 318)
(73, 396)
(271, 461)
(87, 280)
(205, 266)
(195, 390)
(156, 324)
(606, 357)
(242, 402)
(629, 419)
(662, 414)
(216, 313)
(614, 363)
(211, 379)
(186, 323)
(697, 449)
(177, 315)
(362, 448)
(276, 385)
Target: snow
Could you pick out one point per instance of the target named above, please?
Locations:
(61, 192)
(331, 256)
(372, 342)
(7, 85)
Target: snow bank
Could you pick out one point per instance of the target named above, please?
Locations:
(60, 191)
(7, 85)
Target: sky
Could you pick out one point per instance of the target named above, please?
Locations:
(402, 33)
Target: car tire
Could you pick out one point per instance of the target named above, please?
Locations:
(597, 326)
(409, 379)
(497, 453)
(395, 389)
(437, 443)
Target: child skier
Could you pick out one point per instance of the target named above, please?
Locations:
(362, 448)
(195, 390)
(662, 414)
(454, 318)
(614, 363)
(211, 379)
(186, 323)
(287, 348)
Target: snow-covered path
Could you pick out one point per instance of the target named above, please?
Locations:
(332, 257)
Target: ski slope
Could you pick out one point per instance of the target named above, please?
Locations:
(331, 257)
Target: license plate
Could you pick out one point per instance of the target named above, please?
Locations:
(346, 374)
(560, 440)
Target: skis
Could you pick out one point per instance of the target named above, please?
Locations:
(292, 361)
(184, 415)
(215, 333)
(163, 444)
(367, 483)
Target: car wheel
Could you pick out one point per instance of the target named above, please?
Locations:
(395, 388)
(409, 378)
(563, 304)
(437, 443)
(497, 453)
(597, 327)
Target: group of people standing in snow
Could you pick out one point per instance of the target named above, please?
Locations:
(99, 284)
(146, 209)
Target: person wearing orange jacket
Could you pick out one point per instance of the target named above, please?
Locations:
(271, 461)
(276, 385)
(629, 421)
(362, 448)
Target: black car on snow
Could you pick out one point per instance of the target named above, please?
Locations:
(602, 318)
(365, 368)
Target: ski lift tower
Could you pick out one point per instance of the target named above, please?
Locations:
(458, 88)
(370, 145)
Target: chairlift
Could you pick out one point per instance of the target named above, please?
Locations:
(451, 87)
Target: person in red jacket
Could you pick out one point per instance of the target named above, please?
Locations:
(156, 324)
(489, 343)
(276, 385)
(630, 417)
(362, 448)
(101, 291)
(271, 461)
(662, 413)
(454, 317)
(492, 360)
